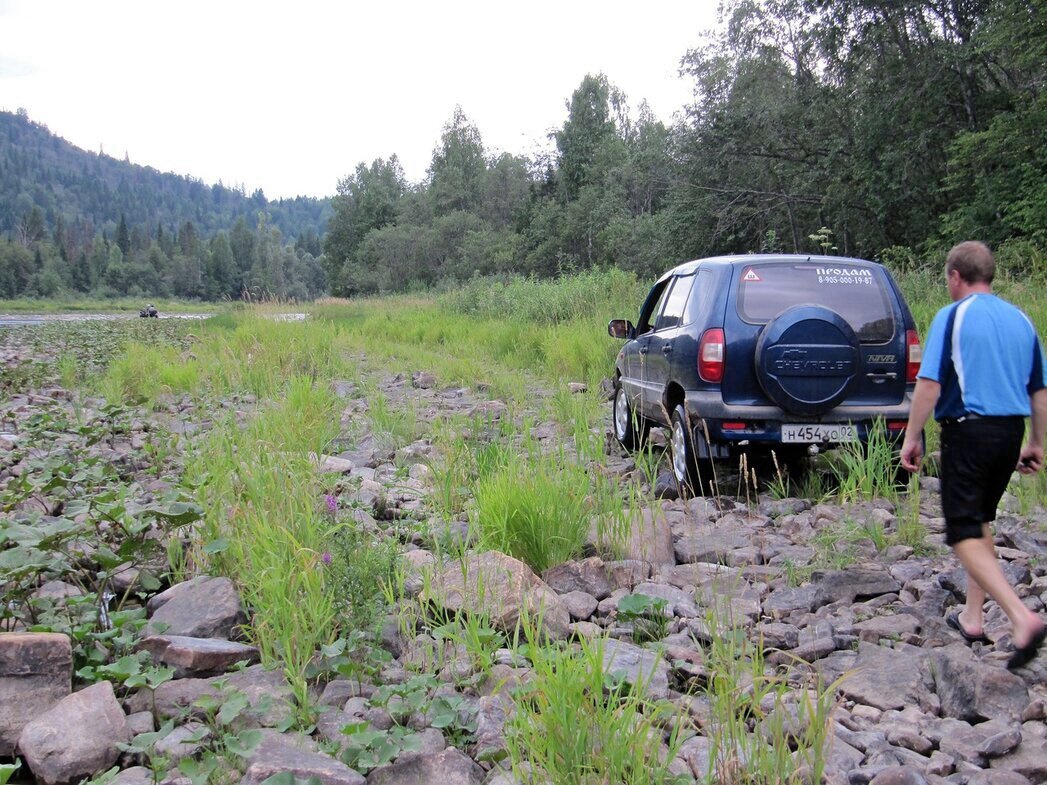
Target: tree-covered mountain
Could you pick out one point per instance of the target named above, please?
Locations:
(41, 169)
(75, 221)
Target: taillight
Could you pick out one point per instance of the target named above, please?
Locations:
(913, 355)
(711, 356)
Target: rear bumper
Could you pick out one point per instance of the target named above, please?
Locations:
(763, 424)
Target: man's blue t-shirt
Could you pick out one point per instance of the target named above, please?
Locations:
(987, 357)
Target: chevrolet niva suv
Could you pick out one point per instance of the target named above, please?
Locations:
(762, 353)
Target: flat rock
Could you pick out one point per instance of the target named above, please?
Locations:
(277, 753)
(713, 543)
(782, 602)
(136, 775)
(329, 464)
(447, 767)
(887, 678)
(75, 738)
(964, 741)
(1029, 760)
(203, 607)
(588, 575)
(638, 666)
(198, 656)
(36, 671)
(892, 626)
(501, 588)
(899, 775)
(650, 540)
(270, 700)
(855, 583)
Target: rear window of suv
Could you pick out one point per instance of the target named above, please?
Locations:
(856, 293)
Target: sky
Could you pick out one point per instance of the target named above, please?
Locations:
(290, 97)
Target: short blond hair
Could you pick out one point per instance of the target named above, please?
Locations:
(973, 261)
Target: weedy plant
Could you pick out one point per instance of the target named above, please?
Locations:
(577, 723)
(398, 426)
(223, 747)
(865, 471)
(767, 726)
(264, 529)
(72, 515)
(647, 615)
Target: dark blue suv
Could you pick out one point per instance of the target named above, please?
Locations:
(765, 352)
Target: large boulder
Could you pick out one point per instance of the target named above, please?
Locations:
(972, 690)
(203, 607)
(77, 738)
(36, 671)
(501, 588)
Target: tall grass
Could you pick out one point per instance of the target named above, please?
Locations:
(767, 725)
(490, 332)
(576, 724)
(264, 526)
(568, 298)
(537, 511)
(865, 471)
(143, 372)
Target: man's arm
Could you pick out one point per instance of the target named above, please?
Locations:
(924, 397)
(1032, 453)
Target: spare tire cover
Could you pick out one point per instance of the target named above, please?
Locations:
(807, 359)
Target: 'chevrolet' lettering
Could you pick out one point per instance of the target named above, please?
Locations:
(812, 365)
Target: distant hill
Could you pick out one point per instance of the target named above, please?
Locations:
(39, 168)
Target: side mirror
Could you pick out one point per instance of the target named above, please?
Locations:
(621, 328)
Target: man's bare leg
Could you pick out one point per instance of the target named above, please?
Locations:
(984, 569)
(972, 617)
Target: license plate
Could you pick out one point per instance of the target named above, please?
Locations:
(822, 432)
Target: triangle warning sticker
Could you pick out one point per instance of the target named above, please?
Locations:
(751, 276)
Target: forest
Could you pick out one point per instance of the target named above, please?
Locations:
(885, 130)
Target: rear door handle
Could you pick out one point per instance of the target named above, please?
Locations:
(643, 350)
(880, 378)
(667, 349)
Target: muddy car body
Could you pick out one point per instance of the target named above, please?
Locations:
(764, 353)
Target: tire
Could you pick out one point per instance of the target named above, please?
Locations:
(684, 461)
(630, 429)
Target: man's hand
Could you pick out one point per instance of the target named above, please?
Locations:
(1031, 460)
(923, 399)
(912, 452)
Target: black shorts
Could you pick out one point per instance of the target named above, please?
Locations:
(978, 458)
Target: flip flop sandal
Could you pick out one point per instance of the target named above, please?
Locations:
(1027, 652)
(953, 620)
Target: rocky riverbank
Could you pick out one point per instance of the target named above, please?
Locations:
(912, 701)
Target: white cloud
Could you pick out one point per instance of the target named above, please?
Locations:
(290, 97)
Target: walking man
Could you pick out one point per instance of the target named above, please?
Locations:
(982, 374)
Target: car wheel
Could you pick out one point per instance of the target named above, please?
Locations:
(685, 463)
(630, 429)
